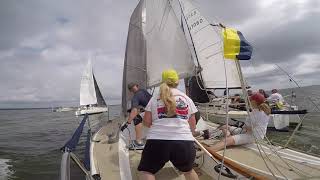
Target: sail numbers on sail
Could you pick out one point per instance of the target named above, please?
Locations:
(196, 22)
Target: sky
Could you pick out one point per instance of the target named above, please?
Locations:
(44, 45)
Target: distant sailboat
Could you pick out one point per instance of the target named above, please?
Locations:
(91, 99)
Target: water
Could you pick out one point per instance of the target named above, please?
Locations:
(307, 139)
(30, 142)
(30, 139)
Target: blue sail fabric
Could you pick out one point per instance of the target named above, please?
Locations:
(87, 152)
(73, 142)
(245, 48)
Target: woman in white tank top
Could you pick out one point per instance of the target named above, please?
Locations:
(255, 126)
(170, 117)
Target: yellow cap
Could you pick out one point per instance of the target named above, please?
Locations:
(170, 75)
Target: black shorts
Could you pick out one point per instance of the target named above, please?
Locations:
(157, 152)
(137, 120)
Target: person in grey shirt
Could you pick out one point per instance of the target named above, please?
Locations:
(139, 101)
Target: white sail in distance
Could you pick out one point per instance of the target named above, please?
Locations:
(208, 44)
(166, 43)
(87, 89)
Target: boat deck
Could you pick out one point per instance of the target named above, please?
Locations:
(106, 153)
(250, 158)
(106, 156)
(106, 160)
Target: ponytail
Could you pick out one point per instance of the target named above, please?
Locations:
(265, 108)
(168, 99)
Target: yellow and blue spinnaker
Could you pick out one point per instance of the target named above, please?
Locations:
(235, 46)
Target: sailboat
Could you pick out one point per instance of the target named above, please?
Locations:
(157, 42)
(91, 99)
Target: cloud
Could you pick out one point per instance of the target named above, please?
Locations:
(45, 44)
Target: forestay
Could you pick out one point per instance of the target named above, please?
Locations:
(208, 43)
(135, 57)
(87, 89)
(166, 43)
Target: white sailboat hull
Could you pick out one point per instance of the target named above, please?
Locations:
(91, 110)
(277, 121)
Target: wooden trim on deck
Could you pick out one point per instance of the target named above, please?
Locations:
(235, 166)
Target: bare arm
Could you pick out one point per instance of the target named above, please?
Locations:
(147, 119)
(132, 115)
(192, 123)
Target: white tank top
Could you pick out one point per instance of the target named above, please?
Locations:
(258, 121)
(171, 128)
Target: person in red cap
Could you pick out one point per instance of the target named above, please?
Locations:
(255, 125)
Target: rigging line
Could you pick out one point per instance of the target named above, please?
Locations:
(288, 75)
(271, 148)
(199, 69)
(259, 150)
(227, 117)
(291, 78)
(272, 163)
(289, 165)
(275, 152)
(297, 127)
(184, 17)
(248, 105)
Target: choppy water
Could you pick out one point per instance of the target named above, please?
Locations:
(307, 139)
(30, 139)
(30, 142)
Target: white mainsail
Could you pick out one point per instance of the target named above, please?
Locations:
(87, 88)
(208, 43)
(166, 43)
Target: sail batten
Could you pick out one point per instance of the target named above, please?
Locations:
(208, 44)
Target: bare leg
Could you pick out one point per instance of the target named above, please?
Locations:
(220, 145)
(146, 176)
(191, 175)
(138, 129)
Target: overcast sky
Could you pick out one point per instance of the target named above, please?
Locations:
(44, 44)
